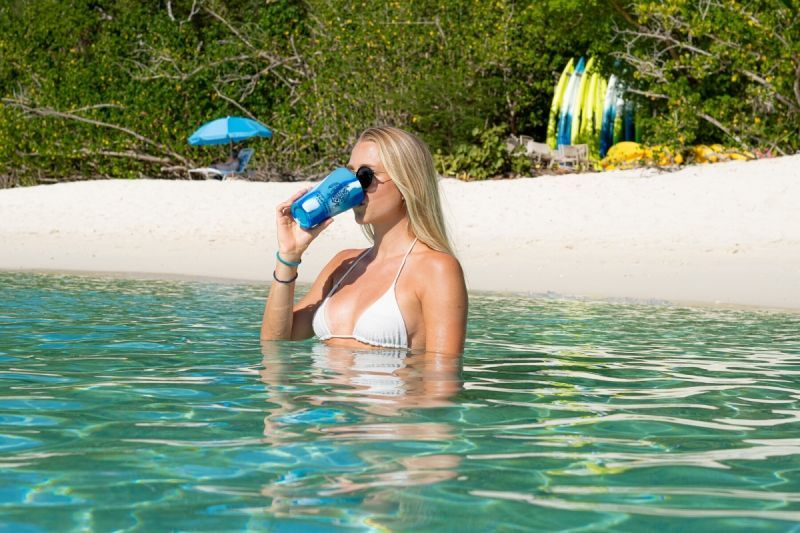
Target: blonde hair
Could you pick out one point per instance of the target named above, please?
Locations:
(409, 164)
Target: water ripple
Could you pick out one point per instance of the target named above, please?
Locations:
(142, 404)
(638, 509)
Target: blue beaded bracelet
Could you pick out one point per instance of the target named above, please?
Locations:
(285, 262)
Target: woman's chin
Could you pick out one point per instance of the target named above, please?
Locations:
(358, 213)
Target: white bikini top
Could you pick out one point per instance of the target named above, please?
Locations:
(381, 324)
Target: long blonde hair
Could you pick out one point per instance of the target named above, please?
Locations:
(409, 164)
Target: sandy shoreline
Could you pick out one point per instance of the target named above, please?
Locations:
(726, 234)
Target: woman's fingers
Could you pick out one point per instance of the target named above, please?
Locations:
(295, 196)
(283, 208)
(298, 194)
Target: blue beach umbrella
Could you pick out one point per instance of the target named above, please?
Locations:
(228, 130)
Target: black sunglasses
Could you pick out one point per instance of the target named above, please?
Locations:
(365, 176)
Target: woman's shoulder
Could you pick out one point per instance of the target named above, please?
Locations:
(438, 276)
(432, 264)
(344, 258)
(347, 254)
(337, 266)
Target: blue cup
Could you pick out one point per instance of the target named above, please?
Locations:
(338, 192)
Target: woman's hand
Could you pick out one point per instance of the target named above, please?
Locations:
(292, 239)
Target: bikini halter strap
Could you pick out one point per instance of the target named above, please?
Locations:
(336, 285)
(361, 256)
(399, 270)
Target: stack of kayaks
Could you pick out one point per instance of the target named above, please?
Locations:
(588, 109)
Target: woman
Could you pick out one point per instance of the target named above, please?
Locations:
(406, 291)
(232, 163)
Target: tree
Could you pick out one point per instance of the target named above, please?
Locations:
(716, 70)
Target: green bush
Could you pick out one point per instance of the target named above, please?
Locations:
(487, 157)
(727, 73)
(317, 72)
(94, 88)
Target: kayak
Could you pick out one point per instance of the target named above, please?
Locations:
(564, 135)
(561, 87)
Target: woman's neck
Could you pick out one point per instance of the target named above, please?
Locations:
(392, 240)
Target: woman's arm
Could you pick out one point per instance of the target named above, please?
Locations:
(303, 312)
(444, 305)
(293, 240)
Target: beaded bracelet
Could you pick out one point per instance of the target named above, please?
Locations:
(285, 282)
(285, 262)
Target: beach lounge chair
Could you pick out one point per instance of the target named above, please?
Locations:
(575, 156)
(539, 153)
(512, 142)
(215, 173)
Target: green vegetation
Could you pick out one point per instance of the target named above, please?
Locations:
(112, 88)
(722, 71)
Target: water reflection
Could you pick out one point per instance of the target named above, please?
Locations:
(364, 405)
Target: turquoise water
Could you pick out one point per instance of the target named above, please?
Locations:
(142, 405)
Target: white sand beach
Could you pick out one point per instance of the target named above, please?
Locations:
(724, 234)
